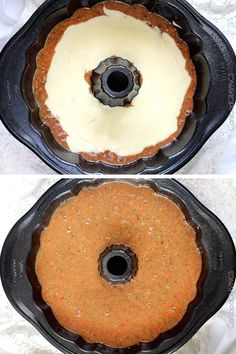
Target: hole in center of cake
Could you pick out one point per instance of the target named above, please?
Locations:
(117, 265)
(117, 81)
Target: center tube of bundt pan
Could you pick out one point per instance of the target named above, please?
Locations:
(115, 82)
(118, 264)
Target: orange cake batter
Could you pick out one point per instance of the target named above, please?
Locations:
(154, 228)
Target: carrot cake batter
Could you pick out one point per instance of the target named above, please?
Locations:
(83, 124)
(154, 228)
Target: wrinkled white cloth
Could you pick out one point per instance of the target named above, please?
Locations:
(10, 12)
(17, 336)
(215, 157)
(228, 163)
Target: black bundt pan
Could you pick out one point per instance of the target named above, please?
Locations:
(214, 99)
(24, 292)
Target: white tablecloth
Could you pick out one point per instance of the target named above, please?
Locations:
(17, 336)
(217, 156)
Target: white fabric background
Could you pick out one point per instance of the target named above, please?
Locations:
(17, 336)
(217, 156)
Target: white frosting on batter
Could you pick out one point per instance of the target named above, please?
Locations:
(94, 127)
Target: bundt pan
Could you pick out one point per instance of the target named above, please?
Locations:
(215, 96)
(24, 292)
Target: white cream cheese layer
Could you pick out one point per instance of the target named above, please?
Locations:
(94, 127)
